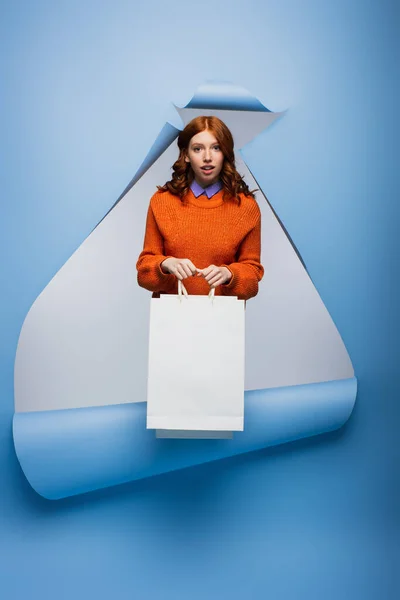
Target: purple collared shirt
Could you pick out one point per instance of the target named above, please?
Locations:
(210, 190)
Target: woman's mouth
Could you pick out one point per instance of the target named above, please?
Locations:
(207, 169)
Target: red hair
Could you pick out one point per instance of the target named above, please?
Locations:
(182, 174)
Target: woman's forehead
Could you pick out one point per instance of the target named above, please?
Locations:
(204, 137)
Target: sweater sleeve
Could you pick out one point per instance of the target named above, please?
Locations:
(247, 271)
(149, 273)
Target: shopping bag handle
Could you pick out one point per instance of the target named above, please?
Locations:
(183, 292)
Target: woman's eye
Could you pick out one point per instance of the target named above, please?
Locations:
(216, 148)
(196, 149)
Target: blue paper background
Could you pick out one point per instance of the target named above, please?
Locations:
(87, 90)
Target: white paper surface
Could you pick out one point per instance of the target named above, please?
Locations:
(196, 363)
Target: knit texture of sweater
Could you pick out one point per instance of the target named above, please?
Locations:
(211, 231)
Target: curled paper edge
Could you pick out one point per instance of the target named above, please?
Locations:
(68, 452)
(217, 95)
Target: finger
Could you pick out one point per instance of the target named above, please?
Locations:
(208, 270)
(185, 274)
(214, 281)
(191, 266)
(188, 267)
(178, 273)
(212, 275)
(182, 269)
(201, 273)
(187, 270)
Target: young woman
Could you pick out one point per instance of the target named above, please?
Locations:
(203, 226)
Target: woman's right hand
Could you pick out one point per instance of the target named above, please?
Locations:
(180, 267)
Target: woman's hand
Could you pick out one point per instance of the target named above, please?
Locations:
(180, 267)
(215, 275)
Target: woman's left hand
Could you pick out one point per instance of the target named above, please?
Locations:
(215, 275)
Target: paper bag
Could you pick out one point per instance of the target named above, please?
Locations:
(196, 363)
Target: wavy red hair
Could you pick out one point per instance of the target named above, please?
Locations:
(182, 174)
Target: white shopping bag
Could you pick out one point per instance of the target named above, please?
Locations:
(196, 363)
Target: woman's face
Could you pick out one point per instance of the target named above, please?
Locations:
(205, 158)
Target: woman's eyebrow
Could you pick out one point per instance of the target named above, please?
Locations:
(199, 144)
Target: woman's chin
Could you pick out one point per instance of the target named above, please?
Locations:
(205, 181)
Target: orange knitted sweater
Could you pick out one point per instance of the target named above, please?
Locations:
(207, 231)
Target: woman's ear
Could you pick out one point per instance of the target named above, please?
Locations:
(187, 159)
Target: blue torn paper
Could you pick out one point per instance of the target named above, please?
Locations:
(81, 361)
(68, 452)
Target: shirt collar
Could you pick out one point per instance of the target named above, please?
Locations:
(210, 190)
